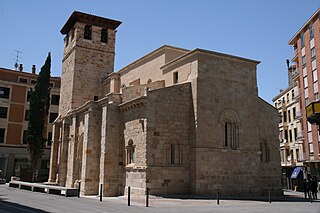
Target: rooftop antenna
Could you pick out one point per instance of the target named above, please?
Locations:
(16, 64)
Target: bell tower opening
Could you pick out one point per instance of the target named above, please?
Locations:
(88, 58)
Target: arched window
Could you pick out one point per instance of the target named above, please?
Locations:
(130, 152)
(230, 123)
(265, 152)
(231, 137)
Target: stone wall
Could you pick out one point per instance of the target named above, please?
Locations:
(72, 150)
(148, 68)
(185, 69)
(63, 152)
(144, 70)
(168, 140)
(91, 150)
(110, 161)
(270, 168)
(159, 130)
(233, 172)
(132, 92)
(89, 75)
(67, 80)
(227, 92)
(134, 137)
(54, 152)
(86, 64)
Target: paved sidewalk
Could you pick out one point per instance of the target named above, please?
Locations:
(17, 200)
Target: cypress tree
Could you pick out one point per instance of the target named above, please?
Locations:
(38, 112)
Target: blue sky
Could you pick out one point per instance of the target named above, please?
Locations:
(255, 29)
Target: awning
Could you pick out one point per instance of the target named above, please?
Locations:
(296, 172)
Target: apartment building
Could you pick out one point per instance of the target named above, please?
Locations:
(290, 131)
(306, 45)
(14, 105)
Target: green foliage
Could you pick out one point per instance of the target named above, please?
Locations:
(38, 111)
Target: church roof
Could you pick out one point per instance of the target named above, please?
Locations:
(208, 52)
(150, 55)
(77, 16)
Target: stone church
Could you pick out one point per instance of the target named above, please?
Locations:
(175, 121)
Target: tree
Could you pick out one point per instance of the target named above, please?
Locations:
(38, 112)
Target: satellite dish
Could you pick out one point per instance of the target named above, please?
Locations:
(16, 65)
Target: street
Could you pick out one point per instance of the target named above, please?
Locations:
(18, 200)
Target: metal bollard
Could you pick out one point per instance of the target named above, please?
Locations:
(218, 197)
(147, 198)
(269, 195)
(100, 192)
(79, 189)
(128, 195)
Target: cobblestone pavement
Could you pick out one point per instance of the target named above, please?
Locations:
(17, 200)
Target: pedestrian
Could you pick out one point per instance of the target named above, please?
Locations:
(314, 187)
(305, 188)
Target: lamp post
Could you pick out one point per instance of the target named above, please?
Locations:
(313, 113)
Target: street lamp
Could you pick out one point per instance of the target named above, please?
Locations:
(313, 113)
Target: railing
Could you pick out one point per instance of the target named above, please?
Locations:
(297, 94)
(300, 136)
(279, 104)
(294, 54)
(288, 163)
(302, 157)
(295, 73)
(282, 105)
(284, 143)
(298, 114)
(280, 124)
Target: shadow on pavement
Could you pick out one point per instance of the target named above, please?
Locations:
(6, 206)
(289, 196)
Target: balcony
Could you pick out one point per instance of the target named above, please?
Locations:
(297, 94)
(280, 124)
(300, 136)
(295, 55)
(302, 157)
(282, 105)
(284, 144)
(295, 74)
(294, 145)
(289, 161)
(288, 164)
(298, 115)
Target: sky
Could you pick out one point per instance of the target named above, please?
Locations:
(254, 29)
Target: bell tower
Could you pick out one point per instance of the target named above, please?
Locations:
(88, 58)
